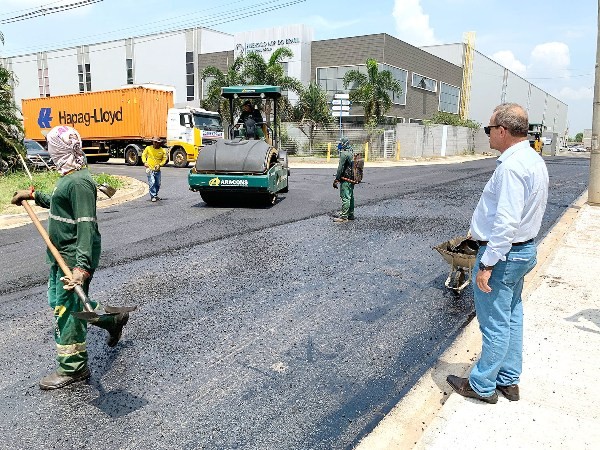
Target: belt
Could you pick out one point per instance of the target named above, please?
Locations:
(514, 244)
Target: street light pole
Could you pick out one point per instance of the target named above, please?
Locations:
(594, 183)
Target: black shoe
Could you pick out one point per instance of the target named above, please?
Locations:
(56, 380)
(115, 332)
(350, 217)
(510, 392)
(462, 387)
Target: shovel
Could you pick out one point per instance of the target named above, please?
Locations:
(89, 313)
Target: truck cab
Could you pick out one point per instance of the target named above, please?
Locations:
(188, 130)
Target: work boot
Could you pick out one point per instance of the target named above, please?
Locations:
(116, 330)
(57, 380)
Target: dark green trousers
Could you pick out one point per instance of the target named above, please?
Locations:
(70, 332)
(347, 196)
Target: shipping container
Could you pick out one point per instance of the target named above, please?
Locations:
(108, 121)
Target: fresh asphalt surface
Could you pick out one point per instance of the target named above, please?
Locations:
(258, 328)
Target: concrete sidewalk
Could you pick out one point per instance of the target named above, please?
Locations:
(560, 401)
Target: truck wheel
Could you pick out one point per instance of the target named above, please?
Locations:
(131, 157)
(180, 158)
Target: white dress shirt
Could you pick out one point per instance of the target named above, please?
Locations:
(513, 202)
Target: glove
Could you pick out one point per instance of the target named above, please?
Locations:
(157, 167)
(24, 194)
(335, 184)
(79, 276)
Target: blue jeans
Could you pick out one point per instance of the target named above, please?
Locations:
(154, 183)
(500, 316)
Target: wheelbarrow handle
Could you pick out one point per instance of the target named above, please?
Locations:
(59, 259)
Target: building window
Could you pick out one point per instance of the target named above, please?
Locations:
(331, 80)
(449, 98)
(421, 82)
(417, 121)
(129, 63)
(85, 78)
(190, 75)
(43, 79)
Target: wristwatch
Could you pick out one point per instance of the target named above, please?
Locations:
(482, 266)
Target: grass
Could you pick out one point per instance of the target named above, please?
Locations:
(43, 182)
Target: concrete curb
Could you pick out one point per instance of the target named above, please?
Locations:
(405, 424)
(135, 190)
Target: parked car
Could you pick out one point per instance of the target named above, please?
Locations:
(577, 149)
(37, 155)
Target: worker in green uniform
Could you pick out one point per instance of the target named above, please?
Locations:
(343, 180)
(73, 229)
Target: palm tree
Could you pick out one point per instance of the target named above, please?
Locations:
(232, 77)
(11, 127)
(259, 71)
(372, 90)
(312, 111)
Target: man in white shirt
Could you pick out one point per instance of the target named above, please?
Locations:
(505, 222)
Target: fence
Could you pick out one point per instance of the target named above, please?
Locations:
(387, 142)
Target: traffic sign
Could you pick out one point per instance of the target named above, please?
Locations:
(342, 96)
(340, 102)
(340, 108)
(340, 113)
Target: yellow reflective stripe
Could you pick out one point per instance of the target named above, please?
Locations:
(59, 311)
(71, 221)
(71, 349)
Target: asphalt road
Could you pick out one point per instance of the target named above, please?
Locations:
(268, 328)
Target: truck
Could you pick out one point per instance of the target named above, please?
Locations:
(122, 122)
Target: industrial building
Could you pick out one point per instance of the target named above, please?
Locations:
(453, 78)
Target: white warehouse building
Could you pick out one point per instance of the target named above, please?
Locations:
(176, 58)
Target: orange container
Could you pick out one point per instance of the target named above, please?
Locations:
(132, 113)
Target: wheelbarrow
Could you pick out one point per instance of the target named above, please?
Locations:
(460, 253)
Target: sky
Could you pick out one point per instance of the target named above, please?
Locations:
(550, 43)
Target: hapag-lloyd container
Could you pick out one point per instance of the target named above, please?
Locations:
(120, 114)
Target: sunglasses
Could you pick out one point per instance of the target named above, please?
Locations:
(489, 128)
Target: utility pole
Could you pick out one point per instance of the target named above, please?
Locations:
(594, 183)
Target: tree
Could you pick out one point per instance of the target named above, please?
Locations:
(579, 137)
(232, 77)
(11, 127)
(372, 90)
(312, 111)
(259, 71)
(446, 118)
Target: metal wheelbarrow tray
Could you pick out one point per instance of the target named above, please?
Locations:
(461, 264)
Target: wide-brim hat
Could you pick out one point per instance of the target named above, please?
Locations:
(157, 139)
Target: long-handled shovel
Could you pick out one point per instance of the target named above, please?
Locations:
(89, 312)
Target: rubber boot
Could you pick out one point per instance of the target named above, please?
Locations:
(57, 380)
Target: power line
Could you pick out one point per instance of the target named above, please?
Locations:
(219, 17)
(238, 14)
(47, 11)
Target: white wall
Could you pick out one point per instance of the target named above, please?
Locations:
(452, 53)
(486, 88)
(214, 41)
(62, 72)
(107, 64)
(537, 105)
(517, 90)
(27, 85)
(161, 59)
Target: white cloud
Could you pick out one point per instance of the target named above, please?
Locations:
(412, 24)
(508, 60)
(551, 59)
(568, 93)
(322, 22)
